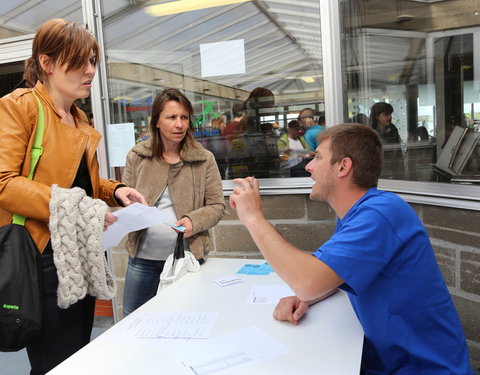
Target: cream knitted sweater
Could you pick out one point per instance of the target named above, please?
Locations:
(76, 226)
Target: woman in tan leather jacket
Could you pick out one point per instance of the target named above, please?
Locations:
(61, 70)
(181, 178)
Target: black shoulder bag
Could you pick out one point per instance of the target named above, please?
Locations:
(21, 272)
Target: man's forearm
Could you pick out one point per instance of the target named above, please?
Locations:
(308, 277)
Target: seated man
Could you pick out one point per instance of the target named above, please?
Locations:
(379, 253)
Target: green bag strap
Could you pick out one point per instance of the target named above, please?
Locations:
(37, 151)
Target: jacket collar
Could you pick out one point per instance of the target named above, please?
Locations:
(188, 154)
(42, 93)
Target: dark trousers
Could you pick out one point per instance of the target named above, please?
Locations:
(64, 331)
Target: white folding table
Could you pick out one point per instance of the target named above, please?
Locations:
(328, 340)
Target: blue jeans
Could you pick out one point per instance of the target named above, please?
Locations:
(141, 282)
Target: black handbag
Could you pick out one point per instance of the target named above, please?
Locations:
(21, 273)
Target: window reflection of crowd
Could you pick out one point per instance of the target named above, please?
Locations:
(408, 158)
(247, 145)
(254, 149)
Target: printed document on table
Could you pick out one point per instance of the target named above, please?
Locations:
(269, 294)
(131, 218)
(221, 353)
(165, 324)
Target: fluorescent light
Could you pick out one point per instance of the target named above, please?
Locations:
(308, 79)
(180, 6)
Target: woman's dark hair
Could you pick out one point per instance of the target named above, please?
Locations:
(376, 110)
(64, 42)
(237, 109)
(260, 98)
(157, 108)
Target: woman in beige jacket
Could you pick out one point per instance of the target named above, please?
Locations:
(181, 178)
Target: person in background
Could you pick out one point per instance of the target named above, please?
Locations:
(394, 155)
(254, 151)
(379, 253)
(292, 140)
(60, 71)
(421, 134)
(232, 129)
(305, 118)
(181, 178)
(294, 150)
(218, 124)
(381, 120)
(219, 145)
(360, 118)
(316, 128)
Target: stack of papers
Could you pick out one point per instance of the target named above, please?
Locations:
(131, 218)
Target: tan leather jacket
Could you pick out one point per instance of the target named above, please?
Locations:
(195, 187)
(63, 147)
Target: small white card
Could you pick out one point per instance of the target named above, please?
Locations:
(269, 294)
(229, 280)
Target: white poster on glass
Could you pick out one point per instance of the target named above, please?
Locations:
(120, 139)
(222, 58)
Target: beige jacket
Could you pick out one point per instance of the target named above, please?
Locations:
(63, 148)
(194, 184)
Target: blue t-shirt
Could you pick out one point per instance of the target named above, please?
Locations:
(310, 136)
(382, 252)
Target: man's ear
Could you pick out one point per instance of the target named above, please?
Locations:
(345, 167)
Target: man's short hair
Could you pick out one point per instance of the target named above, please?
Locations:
(294, 124)
(362, 145)
(301, 114)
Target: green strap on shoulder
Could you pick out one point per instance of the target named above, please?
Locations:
(37, 151)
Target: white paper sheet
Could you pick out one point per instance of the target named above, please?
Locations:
(229, 280)
(171, 324)
(222, 58)
(120, 139)
(218, 354)
(134, 217)
(269, 294)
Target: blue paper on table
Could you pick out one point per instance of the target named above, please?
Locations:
(256, 269)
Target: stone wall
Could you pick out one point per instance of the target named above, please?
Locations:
(306, 224)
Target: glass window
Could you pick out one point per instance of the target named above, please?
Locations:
(248, 68)
(410, 72)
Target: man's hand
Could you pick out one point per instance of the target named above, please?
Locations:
(109, 220)
(245, 198)
(128, 195)
(290, 309)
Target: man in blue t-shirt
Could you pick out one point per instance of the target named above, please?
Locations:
(379, 253)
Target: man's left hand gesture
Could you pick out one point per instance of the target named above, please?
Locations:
(245, 198)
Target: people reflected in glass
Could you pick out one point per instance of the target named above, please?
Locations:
(316, 127)
(294, 151)
(360, 118)
(381, 120)
(254, 151)
(393, 155)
